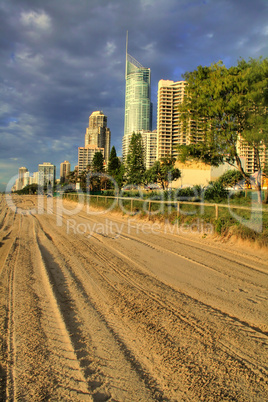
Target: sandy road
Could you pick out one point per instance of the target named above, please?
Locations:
(100, 307)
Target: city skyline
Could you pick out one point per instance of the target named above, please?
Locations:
(59, 64)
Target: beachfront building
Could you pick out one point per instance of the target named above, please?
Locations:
(22, 178)
(34, 178)
(98, 134)
(249, 155)
(149, 139)
(65, 168)
(170, 131)
(86, 155)
(46, 174)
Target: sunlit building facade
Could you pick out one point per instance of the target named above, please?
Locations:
(65, 168)
(22, 180)
(98, 134)
(170, 132)
(86, 155)
(249, 155)
(149, 139)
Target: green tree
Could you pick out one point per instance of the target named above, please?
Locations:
(163, 172)
(29, 189)
(82, 179)
(230, 178)
(72, 177)
(226, 104)
(120, 176)
(135, 168)
(116, 169)
(96, 181)
(113, 163)
(98, 163)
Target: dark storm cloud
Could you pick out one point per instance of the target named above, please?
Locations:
(63, 59)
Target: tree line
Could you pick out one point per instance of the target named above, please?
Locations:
(132, 173)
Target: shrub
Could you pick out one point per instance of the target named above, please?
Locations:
(216, 192)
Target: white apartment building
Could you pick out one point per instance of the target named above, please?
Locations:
(149, 139)
(46, 174)
(26, 179)
(169, 130)
(23, 178)
(249, 157)
(34, 179)
(86, 155)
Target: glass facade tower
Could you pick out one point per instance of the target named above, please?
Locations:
(138, 107)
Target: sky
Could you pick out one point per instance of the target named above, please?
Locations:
(61, 60)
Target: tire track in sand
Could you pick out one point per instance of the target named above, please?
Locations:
(60, 343)
(233, 358)
(110, 365)
(40, 361)
(12, 259)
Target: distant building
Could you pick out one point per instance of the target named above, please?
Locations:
(26, 179)
(138, 106)
(149, 139)
(65, 168)
(34, 179)
(98, 134)
(46, 174)
(86, 155)
(23, 178)
(16, 185)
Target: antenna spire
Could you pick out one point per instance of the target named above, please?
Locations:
(126, 53)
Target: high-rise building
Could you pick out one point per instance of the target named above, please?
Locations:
(138, 106)
(169, 130)
(22, 179)
(249, 155)
(65, 168)
(26, 179)
(86, 155)
(35, 178)
(46, 174)
(149, 140)
(98, 134)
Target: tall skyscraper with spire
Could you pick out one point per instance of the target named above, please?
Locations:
(138, 106)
